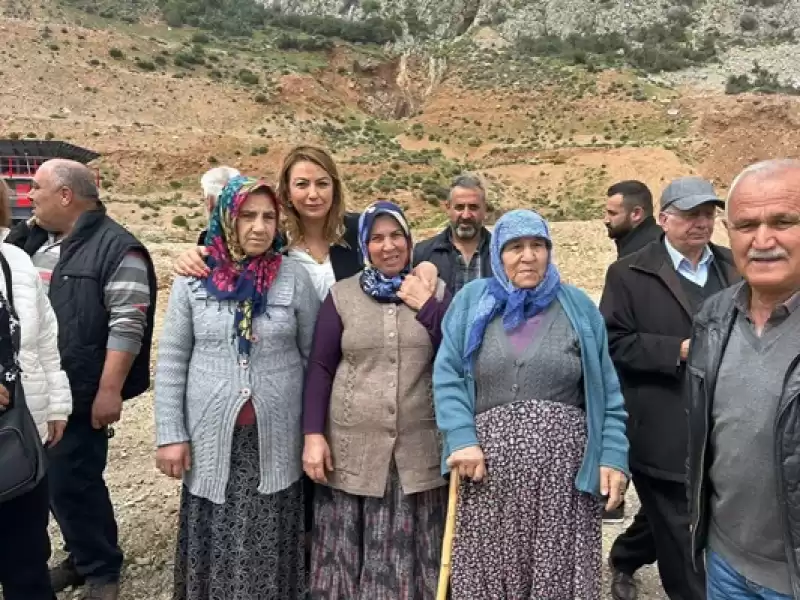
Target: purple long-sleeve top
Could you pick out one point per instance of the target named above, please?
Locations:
(326, 352)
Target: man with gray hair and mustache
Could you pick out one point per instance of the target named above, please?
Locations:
(743, 389)
(648, 303)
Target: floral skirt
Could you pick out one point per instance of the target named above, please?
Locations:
(377, 548)
(251, 547)
(526, 532)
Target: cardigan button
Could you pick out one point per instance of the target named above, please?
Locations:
(391, 334)
(390, 311)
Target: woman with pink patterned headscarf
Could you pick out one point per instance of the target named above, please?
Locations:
(229, 384)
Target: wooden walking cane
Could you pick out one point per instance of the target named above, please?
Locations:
(449, 534)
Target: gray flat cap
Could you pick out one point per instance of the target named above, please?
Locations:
(687, 193)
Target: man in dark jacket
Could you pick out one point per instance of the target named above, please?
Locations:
(629, 217)
(648, 302)
(743, 387)
(630, 223)
(102, 285)
(461, 251)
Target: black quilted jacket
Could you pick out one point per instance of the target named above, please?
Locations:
(710, 334)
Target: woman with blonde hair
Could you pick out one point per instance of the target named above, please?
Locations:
(321, 234)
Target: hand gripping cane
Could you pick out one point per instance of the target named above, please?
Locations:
(449, 534)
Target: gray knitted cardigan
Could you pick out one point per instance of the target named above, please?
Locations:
(201, 385)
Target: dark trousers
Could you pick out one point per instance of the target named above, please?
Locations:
(25, 546)
(80, 501)
(634, 547)
(667, 512)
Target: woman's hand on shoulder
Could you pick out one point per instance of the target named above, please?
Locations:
(414, 292)
(317, 457)
(428, 272)
(613, 484)
(173, 460)
(468, 462)
(191, 263)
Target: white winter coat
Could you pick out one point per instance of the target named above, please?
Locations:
(46, 385)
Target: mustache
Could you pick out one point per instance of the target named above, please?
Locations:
(470, 222)
(774, 254)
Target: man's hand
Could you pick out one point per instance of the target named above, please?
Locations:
(685, 350)
(468, 462)
(317, 457)
(414, 292)
(55, 431)
(613, 485)
(191, 263)
(174, 460)
(106, 408)
(5, 399)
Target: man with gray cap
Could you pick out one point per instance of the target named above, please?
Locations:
(648, 303)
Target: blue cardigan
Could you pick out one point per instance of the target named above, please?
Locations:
(454, 388)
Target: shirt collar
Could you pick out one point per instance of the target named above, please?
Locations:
(742, 302)
(679, 259)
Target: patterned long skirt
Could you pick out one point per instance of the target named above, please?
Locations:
(251, 547)
(377, 548)
(526, 532)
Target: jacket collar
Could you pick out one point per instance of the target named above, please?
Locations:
(655, 260)
(643, 230)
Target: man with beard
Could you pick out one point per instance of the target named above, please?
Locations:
(629, 217)
(630, 223)
(461, 251)
(648, 303)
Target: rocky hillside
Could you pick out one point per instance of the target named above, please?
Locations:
(163, 89)
(451, 18)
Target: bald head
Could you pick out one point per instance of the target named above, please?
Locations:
(773, 169)
(62, 190)
(76, 177)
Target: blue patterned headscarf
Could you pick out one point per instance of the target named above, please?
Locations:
(373, 282)
(502, 297)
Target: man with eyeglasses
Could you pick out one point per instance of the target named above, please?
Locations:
(648, 303)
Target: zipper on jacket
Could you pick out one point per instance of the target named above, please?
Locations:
(782, 509)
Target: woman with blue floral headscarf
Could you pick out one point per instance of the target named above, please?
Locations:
(370, 432)
(228, 404)
(532, 415)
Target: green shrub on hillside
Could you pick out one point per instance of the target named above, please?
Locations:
(763, 82)
(243, 17)
(287, 41)
(659, 47)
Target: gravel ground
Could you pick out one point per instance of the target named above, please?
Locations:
(147, 503)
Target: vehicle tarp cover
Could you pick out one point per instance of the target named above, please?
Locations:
(46, 149)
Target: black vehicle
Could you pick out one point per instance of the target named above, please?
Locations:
(19, 160)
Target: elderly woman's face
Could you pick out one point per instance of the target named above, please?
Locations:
(525, 261)
(310, 190)
(256, 223)
(388, 246)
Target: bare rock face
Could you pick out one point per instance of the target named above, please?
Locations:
(445, 19)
